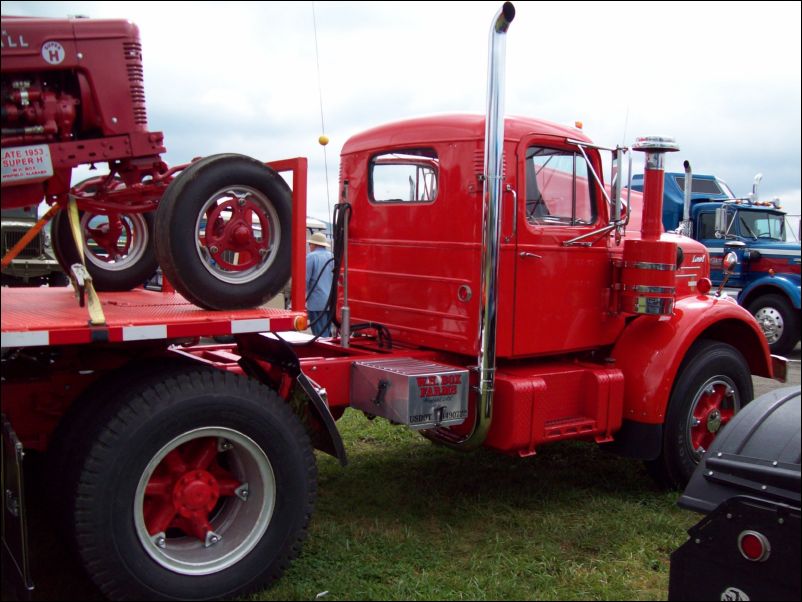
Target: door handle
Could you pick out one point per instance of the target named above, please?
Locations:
(525, 254)
(510, 189)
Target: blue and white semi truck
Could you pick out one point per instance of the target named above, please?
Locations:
(767, 278)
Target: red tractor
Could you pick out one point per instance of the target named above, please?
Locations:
(73, 94)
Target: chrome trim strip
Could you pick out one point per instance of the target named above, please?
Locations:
(645, 265)
(660, 290)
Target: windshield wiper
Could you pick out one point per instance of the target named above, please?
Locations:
(745, 225)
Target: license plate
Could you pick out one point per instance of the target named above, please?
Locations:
(26, 164)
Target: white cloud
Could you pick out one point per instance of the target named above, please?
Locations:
(724, 79)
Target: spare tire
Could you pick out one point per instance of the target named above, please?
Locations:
(223, 232)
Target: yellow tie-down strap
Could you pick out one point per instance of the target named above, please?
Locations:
(79, 275)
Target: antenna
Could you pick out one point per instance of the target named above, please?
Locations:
(323, 140)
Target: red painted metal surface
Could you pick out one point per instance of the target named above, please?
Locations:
(539, 403)
(648, 276)
(653, 183)
(650, 350)
(51, 316)
(185, 488)
(77, 86)
(298, 166)
(766, 263)
(415, 267)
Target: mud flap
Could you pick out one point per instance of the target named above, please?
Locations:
(14, 524)
(334, 445)
(279, 352)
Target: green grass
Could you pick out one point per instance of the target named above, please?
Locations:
(410, 520)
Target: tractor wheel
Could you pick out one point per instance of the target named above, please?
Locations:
(712, 385)
(779, 322)
(223, 232)
(196, 485)
(118, 248)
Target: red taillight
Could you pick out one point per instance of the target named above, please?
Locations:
(754, 546)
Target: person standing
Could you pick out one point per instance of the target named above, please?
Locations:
(319, 274)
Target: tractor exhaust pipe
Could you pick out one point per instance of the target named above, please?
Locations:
(491, 198)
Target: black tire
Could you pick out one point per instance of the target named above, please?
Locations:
(242, 433)
(712, 385)
(128, 270)
(13, 281)
(779, 321)
(70, 443)
(206, 240)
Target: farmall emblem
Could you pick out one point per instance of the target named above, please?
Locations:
(8, 40)
(53, 53)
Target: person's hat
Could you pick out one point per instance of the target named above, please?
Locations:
(319, 239)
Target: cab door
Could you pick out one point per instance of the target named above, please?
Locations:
(562, 285)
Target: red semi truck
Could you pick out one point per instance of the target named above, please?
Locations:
(492, 294)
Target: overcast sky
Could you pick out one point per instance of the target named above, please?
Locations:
(722, 78)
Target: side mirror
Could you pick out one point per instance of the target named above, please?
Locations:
(730, 262)
(722, 222)
(615, 184)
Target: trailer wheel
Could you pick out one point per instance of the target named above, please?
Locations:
(712, 385)
(223, 232)
(779, 322)
(198, 485)
(70, 441)
(118, 248)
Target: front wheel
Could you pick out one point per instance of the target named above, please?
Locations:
(712, 385)
(779, 322)
(223, 232)
(198, 485)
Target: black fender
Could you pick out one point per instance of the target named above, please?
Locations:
(305, 400)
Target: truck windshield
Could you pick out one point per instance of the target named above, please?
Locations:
(761, 224)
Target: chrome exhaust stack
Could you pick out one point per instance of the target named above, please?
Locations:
(492, 196)
(685, 226)
(755, 187)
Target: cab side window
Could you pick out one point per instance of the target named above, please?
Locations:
(558, 188)
(409, 176)
(707, 226)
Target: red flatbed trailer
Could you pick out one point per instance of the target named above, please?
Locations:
(52, 316)
(208, 461)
